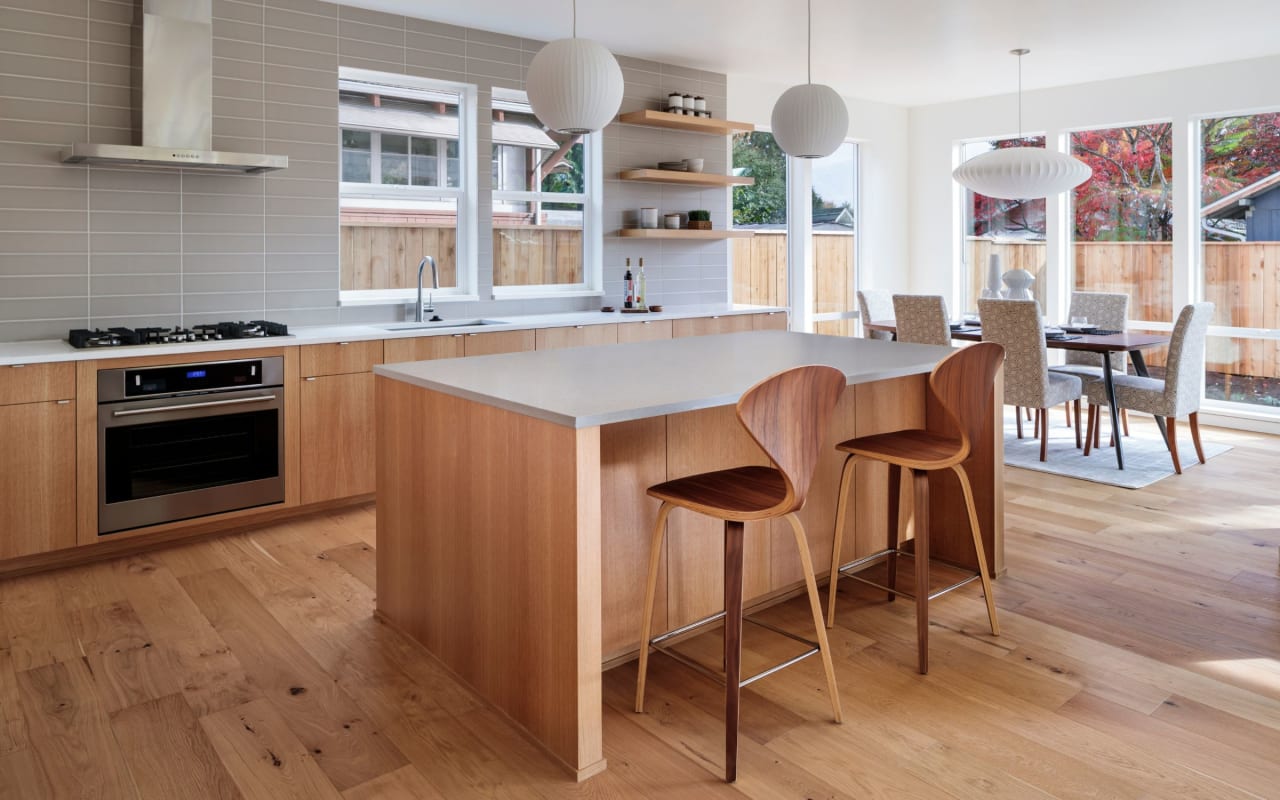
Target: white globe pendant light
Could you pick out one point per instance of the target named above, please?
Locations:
(810, 120)
(1021, 173)
(574, 85)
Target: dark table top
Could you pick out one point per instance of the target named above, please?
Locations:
(1114, 343)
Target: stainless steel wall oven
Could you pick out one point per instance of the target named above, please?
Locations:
(184, 441)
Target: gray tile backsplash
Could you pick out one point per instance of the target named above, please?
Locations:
(101, 246)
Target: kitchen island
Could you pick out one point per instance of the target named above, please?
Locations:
(513, 524)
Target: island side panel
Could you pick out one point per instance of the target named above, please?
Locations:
(488, 554)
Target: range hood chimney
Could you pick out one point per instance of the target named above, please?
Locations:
(177, 98)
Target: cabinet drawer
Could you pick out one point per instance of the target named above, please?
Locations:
(575, 336)
(340, 358)
(709, 326)
(422, 348)
(487, 344)
(646, 331)
(770, 321)
(36, 383)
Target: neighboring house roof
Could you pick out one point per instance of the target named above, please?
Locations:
(839, 217)
(413, 119)
(1229, 205)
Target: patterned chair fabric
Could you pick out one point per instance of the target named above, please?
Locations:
(922, 319)
(1109, 311)
(1179, 393)
(1028, 383)
(874, 304)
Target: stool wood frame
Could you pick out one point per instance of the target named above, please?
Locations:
(786, 414)
(961, 383)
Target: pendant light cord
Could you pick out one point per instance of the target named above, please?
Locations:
(809, 54)
(575, 24)
(1019, 91)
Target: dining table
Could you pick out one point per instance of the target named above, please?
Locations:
(1131, 342)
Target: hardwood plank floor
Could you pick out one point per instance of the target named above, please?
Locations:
(1140, 658)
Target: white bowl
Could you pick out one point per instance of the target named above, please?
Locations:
(693, 164)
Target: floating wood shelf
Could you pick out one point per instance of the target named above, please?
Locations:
(680, 178)
(678, 122)
(683, 233)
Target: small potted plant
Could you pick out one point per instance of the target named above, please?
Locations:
(700, 220)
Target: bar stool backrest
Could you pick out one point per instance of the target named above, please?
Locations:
(962, 384)
(788, 415)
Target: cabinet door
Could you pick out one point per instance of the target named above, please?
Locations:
(337, 437)
(423, 348)
(340, 358)
(487, 344)
(645, 331)
(771, 321)
(708, 326)
(37, 478)
(575, 336)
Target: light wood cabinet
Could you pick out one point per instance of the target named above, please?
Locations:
(575, 336)
(769, 321)
(337, 437)
(34, 383)
(340, 358)
(422, 348)
(644, 331)
(37, 476)
(709, 326)
(487, 344)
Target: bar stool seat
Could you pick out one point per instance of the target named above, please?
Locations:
(961, 383)
(787, 415)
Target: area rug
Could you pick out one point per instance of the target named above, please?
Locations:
(1146, 459)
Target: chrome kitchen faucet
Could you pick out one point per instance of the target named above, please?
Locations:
(435, 284)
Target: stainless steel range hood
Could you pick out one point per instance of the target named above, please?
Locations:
(177, 98)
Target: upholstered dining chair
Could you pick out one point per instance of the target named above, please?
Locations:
(1110, 312)
(875, 304)
(922, 319)
(1177, 395)
(1028, 383)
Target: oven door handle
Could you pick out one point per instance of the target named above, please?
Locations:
(187, 406)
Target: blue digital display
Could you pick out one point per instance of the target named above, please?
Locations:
(196, 373)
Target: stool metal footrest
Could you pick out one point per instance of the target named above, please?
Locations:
(850, 571)
(657, 644)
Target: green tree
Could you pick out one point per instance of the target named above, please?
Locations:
(758, 156)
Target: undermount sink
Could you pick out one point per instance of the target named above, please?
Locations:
(442, 323)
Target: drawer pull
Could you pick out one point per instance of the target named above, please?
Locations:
(344, 343)
(64, 402)
(17, 366)
(577, 327)
(309, 380)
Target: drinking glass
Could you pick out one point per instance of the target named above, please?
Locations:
(1079, 322)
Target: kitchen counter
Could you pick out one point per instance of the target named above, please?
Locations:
(513, 524)
(50, 350)
(589, 386)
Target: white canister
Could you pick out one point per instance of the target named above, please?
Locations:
(675, 102)
(648, 218)
(672, 221)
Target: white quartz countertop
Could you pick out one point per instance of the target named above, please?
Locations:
(583, 387)
(49, 350)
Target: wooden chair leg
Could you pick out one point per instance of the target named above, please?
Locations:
(732, 644)
(1042, 417)
(1171, 426)
(1194, 419)
(1089, 431)
(1028, 414)
(1124, 420)
(815, 606)
(1067, 410)
(1097, 430)
(650, 590)
(920, 481)
(1077, 410)
(837, 540)
(981, 552)
(1017, 415)
(895, 511)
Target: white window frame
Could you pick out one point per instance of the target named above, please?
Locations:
(592, 200)
(375, 160)
(354, 195)
(852, 313)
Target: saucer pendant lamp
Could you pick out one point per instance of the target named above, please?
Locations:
(1021, 173)
(810, 120)
(574, 85)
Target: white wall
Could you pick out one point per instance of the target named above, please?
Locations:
(881, 133)
(1180, 96)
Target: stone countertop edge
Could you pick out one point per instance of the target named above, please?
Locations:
(44, 351)
(564, 387)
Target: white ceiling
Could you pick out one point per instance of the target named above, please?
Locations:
(907, 52)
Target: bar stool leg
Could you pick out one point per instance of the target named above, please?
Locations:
(842, 508)
(732, 644)
(650, 590)
(1017, 414)
(895, 511)
(983, 573)
(815, 606)
(920, 480)
(1077, 411)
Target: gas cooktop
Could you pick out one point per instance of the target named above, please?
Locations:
(117, 337)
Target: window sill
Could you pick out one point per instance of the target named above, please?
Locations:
(380, 299)
(541, 293)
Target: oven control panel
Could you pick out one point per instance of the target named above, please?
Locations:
(140, 383)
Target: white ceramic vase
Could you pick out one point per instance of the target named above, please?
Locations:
(992, 289)
(1019, 282)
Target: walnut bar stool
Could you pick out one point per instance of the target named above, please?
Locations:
(787, 415)
(962, 382)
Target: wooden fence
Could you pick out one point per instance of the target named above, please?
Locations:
(387, 256)
(760, 275)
